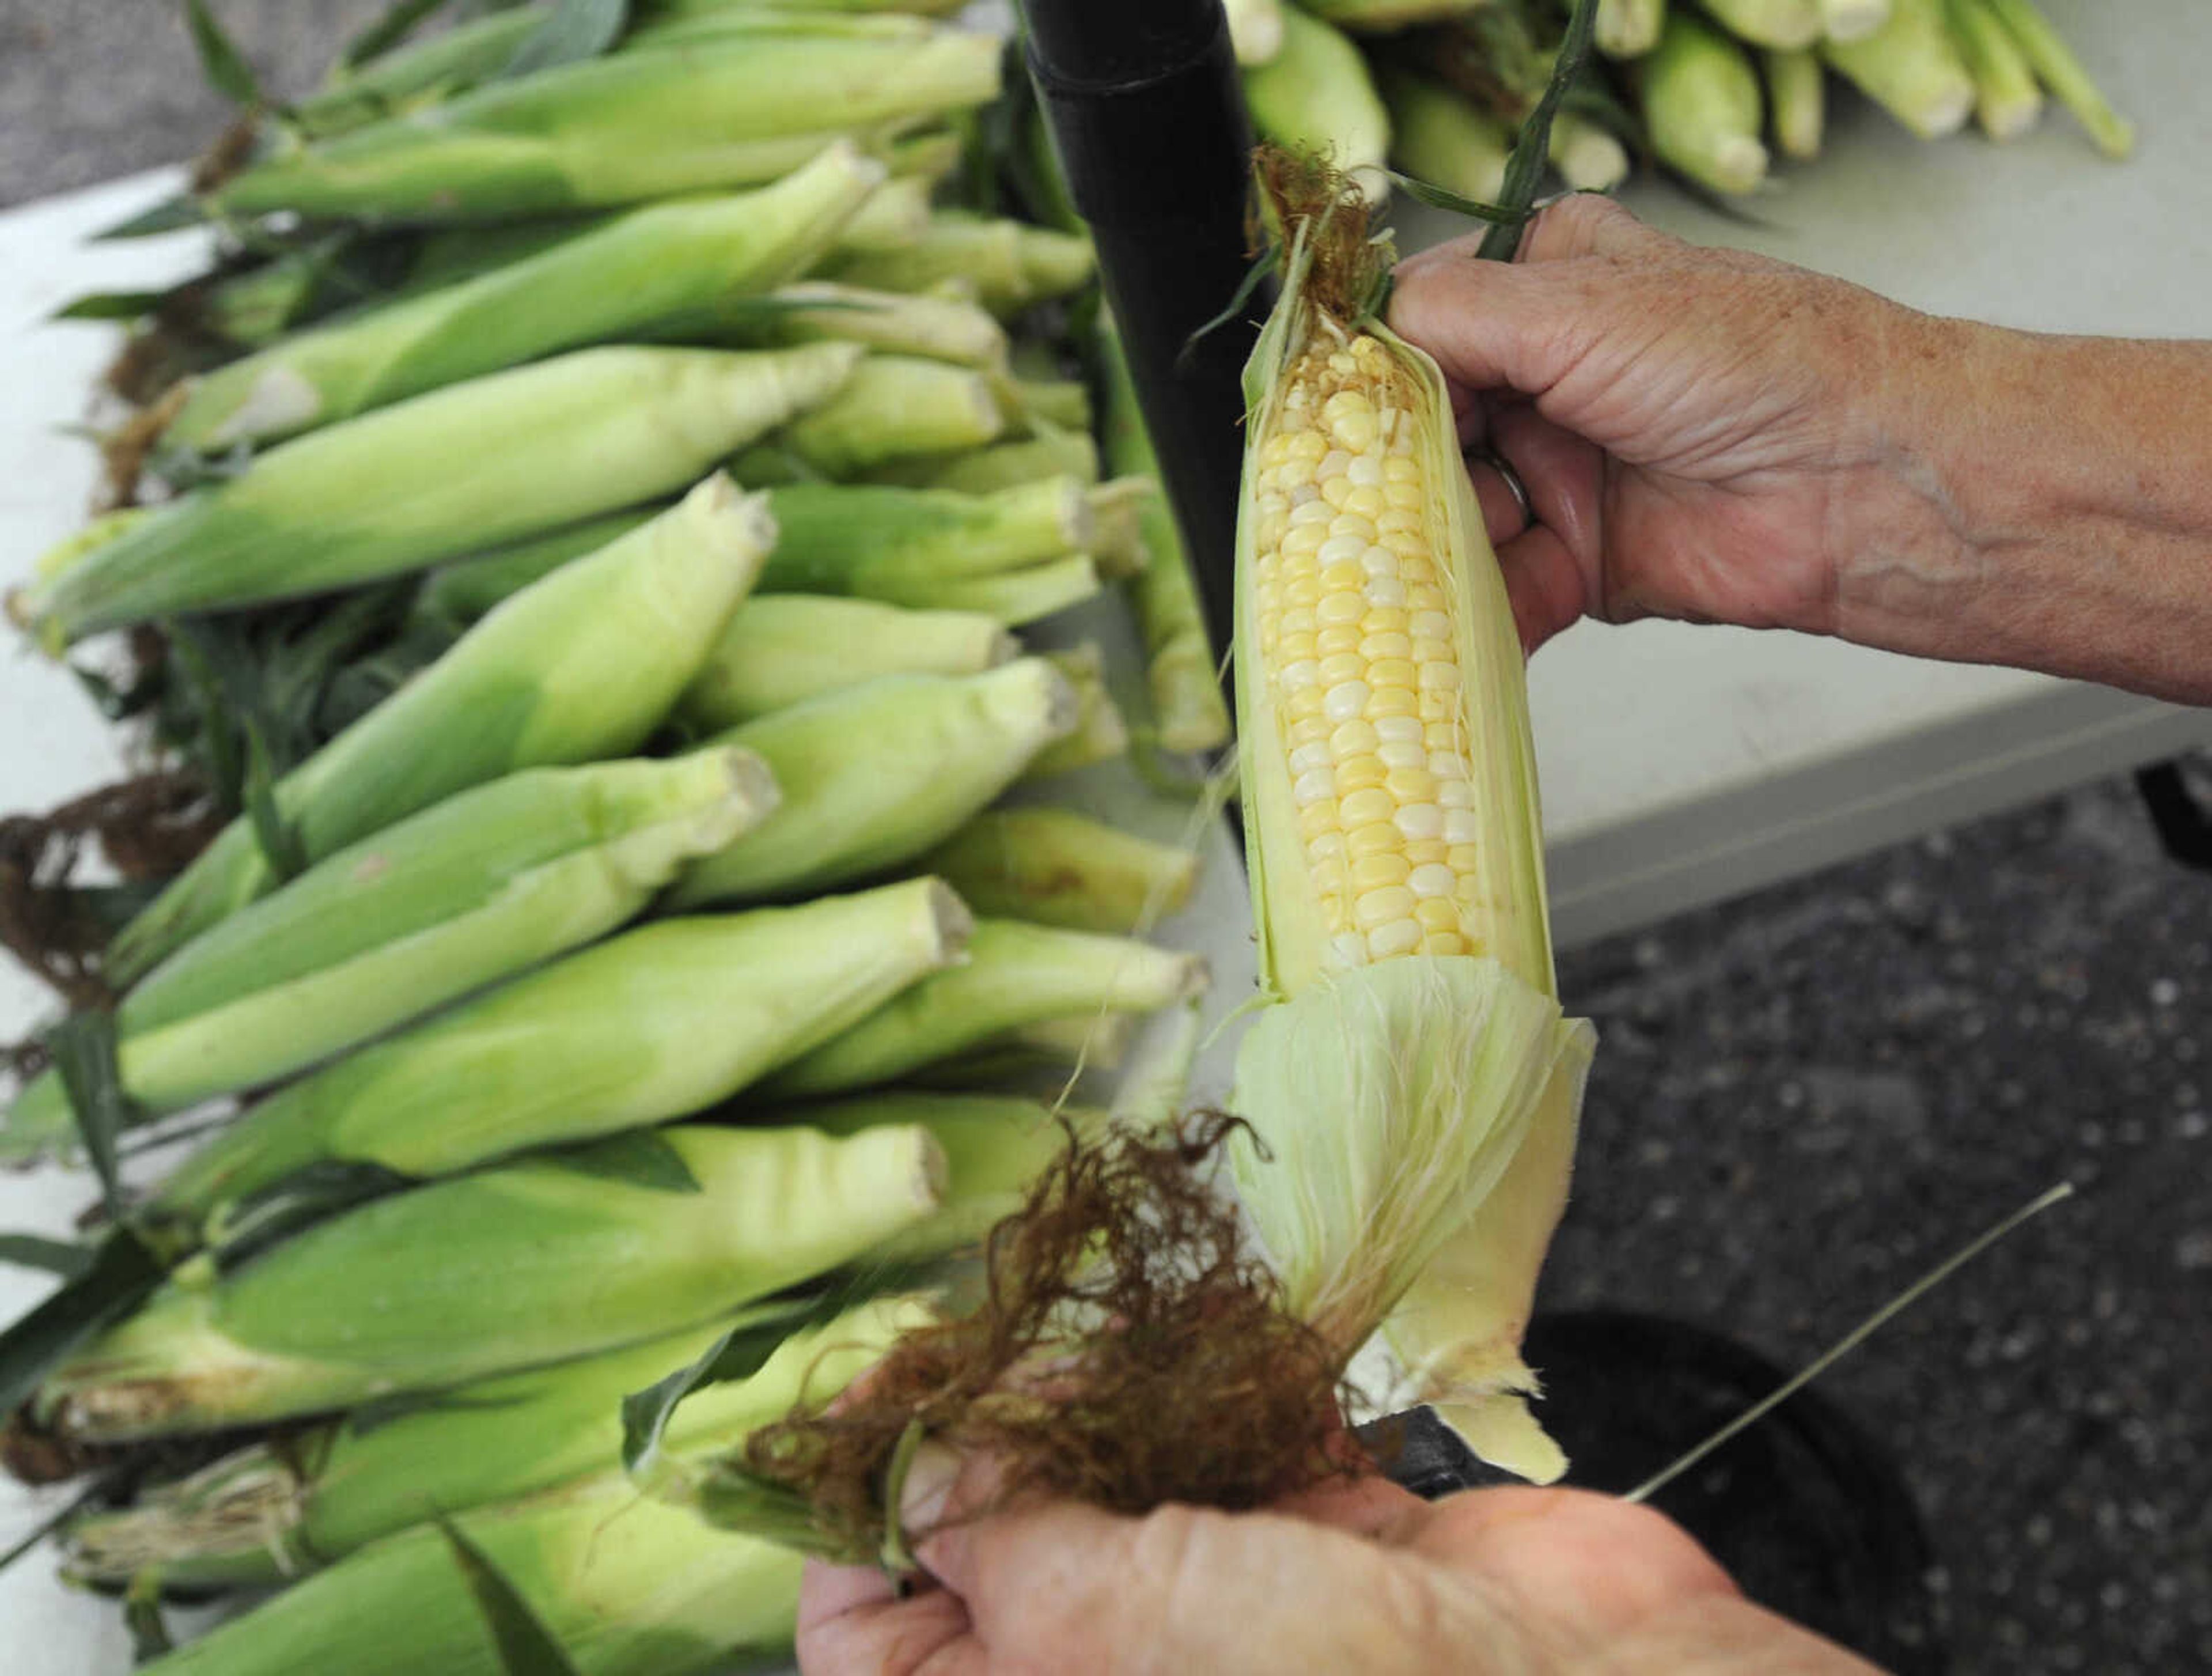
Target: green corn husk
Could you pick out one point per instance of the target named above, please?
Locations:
(1256, 29)
(1588, 157)
(1015, 974)
(1779, 23)
(1702, 108)
(1056, 867)
(1316, 95)
(931, 327)
(630, 1586)
(649, 264)
(1381, 17)
(1420, 1106)
(415, 73)
(579, 434)
(1911, 67)
(899, 545)
(271, 1512)
(472, 890)
(623, 129)
(518, 1267)
(660, 1022)
(1012, 265)
(1628, 28)
(459, 594)
(786, 649)
(1099, 733)
(550, 678)
(1188, 711)
(895, 216)
(1060, 401)
(891, 408)
(1848, 20)
(2058, 68)
(2007, 101)
(1437, 136)
(995, 1146)
(1016, 597)
(876, 774)
(676, 8)
(1051, 452)
(1797, 97)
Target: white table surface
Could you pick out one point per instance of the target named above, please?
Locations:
(1679, 766)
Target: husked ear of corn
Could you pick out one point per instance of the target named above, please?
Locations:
(1412, 1076)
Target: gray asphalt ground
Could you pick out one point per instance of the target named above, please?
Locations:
(1804, 1099)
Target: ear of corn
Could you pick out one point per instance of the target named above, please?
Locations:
(549, 677)
(270, 1512)
(1051, 452)
(892, 406)
(1015, 974)
(469, 892)
(629, 1586)
(624, 128)
(1911, 67)
(1781, 23)
(459, 592)
(896, 215)
(1012, 265)
(1702, 106)
(1628, 28)
(1797, 95)
(1099, 733)
(785, 648)
(1847, 19)
(603, 428)
(509, 1269)
(1412, 1076)
(2007, 101)
(2057, 68)
(414, 73)
(1440, 138)
(1025, 595)
(651, 264)
(900, 545)
(1587, 155)
(1316, 95)
(875, 774)
(1055, 867)
(1388, 14)
(1255, 29)
(931, 327)
(1188, 710)
(663, 1020)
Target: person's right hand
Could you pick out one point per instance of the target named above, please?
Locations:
(1697, 429)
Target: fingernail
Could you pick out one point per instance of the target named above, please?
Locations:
(929, 1480)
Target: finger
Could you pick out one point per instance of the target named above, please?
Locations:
(878, 1637)
(1564, 475)
(1588, 224)
(832, 1591)
(1542, 584)
(1622, 1562)
(1369, 1506)
(1501, 516)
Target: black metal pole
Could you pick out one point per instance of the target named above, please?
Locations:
(1149, 121)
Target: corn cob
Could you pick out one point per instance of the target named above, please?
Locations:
(509, 1269)
(1796, 95)
(1847, 19)
(458, 593)
(269, 1512)
(551, 678)
(583, 433)
(414, 74)
(469, 892)
(932, 326)
(1056, 867)
(1911, 67)
(1701, 106)
(623, 128)
(1439, 138)
(1189, 711)
(899, 545)
(630, 1586)
(1316, 94)
(875, 774)
(1382, 15)
(896, 216)
(1099, 733)
(615, 278)
(892, 406)
(660, 1022)
(1256, 29)
(1023, 596)
(1012, 265)
(785, 648)
(1393, 843)
(1015, 975)
(1049, 452)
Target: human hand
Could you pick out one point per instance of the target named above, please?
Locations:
(1357, 1576)
(1703, 434)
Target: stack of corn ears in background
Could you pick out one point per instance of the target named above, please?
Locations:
(1435, 89)
(641, 927)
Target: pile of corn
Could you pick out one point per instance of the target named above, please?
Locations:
(578, 535)
(1709, 88)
